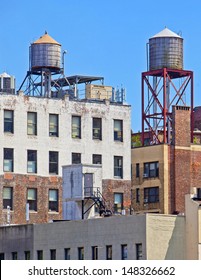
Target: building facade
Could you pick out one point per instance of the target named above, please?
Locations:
(39, 135)
(163, 174)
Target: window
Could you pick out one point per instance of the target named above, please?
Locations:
(67, 254)
(137, 170)
(8, 121)
(27, 255)
(8, 160)
(52, 254)
(39, 255)
(151, 169)
(53, 200)
(138, 247)
(7, 197)
(14, 255)
(53, 162)
(32, 199)
(53, 125)
(81, 253)
(31, 161)
(118, 202)
(94, 252)
(97, 128)
(118, 167)
(97, 159)
(137, 195)
(2, 256)
(76, 158)
(118, 130)
(124, 252)
(151, 195)
(76, 127)
(32, 123)
(109, 252)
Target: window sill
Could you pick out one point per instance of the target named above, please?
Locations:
(53, 212)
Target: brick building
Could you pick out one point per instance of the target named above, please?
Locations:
(163, 174)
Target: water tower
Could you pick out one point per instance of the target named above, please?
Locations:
(44, 62)
(163, 85)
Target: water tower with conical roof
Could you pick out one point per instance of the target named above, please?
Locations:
(163, 85)
(45, 60)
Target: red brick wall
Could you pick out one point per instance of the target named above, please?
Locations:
(117, 186)
(20, 183)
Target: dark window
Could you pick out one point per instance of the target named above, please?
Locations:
(14, 255)
(32, 199)
(31, 161)
(53, 125)
(8, 121)
(81, 253)
(76, 127)
(2, 256)
(8, 160)
(137, 195)
(118, 167)
(7, 197)
(39, 255)
(32, 123)
(137, 170)
(76, 158)
(199, 193)
(88, 184)
(151, 195)
(53, 200)
(94, 252)
(27, 255)
(97, 128)
(53, 162)
(109, 252)
(151, 169)
(124, 252)
(97, 159)
(138, 251)
(118, 202)
(52, 254)
(118, 130)
(67, 253)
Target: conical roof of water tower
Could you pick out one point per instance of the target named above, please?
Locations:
(46, 39)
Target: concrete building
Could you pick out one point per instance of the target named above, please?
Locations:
(163, 174)
(39, 135)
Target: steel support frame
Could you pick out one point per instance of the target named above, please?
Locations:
(165, 76)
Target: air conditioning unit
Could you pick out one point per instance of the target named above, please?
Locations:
(145, 175)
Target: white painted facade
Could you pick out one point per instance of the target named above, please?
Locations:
(64, 143)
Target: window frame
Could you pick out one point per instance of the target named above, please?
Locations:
(94, 250)
(96, 159)
(8, 156)
(118, 203)
(76, 160)
(118, 132)
(97, 128)
(53, 125)
(153, 197)
(108, 252)
(32, 160)
(10, 200)
(118, 167)
(32, 202)
(80, 253)
(32, 123)
(124, 252)
(138, 247)
(53, 162)
(76, 127)
(9, 122)
(53, 205)
(150, 172)
(67, 254)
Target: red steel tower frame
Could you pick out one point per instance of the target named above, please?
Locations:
(157, 94)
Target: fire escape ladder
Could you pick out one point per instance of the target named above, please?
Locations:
(101, 203)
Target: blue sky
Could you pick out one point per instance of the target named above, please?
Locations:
(105, 38)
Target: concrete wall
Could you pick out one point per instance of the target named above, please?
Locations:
(161, 236)
(165, 237)
(65, 144)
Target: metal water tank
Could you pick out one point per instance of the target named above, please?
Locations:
(45, 53)
(166, 51)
